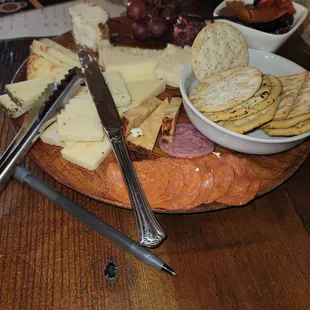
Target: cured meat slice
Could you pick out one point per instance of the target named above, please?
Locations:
(206, 186)
(176, 180)
(153, 177)
(237, 192)
(223, 176)
(190, 189)
(187, 142)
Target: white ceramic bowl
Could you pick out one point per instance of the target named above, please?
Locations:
(256, 142)
(262, 40)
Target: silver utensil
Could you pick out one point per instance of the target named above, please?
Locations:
(150, 233)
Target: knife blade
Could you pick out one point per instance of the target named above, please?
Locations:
(150, 233)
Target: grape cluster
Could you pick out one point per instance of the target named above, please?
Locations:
(152, 18)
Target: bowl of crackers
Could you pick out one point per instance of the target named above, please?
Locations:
(268, 35)
(246, 100)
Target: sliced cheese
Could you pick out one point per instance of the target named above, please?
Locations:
(169, 119)
(54, 53)
(88, 155)
(11, 108)
(38, 49)
(80, 108)
(130, 106)
(82, 93)
(141, 91)
(26, 93)
(50, 136)
(131, 67)
(137, 115)
(117, 88)
(150, 128)
(60, 48)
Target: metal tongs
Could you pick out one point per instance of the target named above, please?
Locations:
(51, 101)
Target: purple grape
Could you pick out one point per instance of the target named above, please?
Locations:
(169, 15)
(157, 27)
(139, 31)
(136, 10)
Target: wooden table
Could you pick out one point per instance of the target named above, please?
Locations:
(253, 257)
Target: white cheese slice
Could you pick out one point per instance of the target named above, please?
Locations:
(117, 88)
(88, 155)
(131, 67)
(89, 24)
(150, 128)
(60, 48)
(82, 93)
(26, 93)
(11, 108)
(141, 91)
(55, 53)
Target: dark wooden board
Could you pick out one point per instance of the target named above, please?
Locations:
(273, 170)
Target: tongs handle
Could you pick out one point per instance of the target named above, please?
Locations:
(150, 233)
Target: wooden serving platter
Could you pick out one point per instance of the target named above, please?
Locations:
(273, 170)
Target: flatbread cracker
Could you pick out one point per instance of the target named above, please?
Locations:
(243, 108)
(302, 103)
(298, 129)
(251, 122)
(286, 122)
(217, 47)
(291, 86)
(226, 89)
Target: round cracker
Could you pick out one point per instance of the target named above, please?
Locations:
(226, 89)
(217, 47)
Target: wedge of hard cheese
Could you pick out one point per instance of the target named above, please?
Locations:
(11, 108)
(88, 155)
(128, 107)
(38, 47)
(150, 127)
(169, 119)
(131, 67)
(141, 91)
(136, 116)
(26, 93)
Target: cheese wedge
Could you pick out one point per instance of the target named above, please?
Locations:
(60, 48)
(39, 67)
(169, 119)
(82, 93)
(10, 107)
(136, 116)
(150, 128)
(50, 136)
(117, 88)
(26, 93)
(54, 53)
(131, 67)
(88, 155)
(141, 91)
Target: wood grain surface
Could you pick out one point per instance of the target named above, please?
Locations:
(254, 257)
(273, 170)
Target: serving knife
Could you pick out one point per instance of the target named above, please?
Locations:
(150, 233)
(51, 101)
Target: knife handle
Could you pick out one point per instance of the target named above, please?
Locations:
(150, 233)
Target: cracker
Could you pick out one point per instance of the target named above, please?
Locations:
(217, 47)
(298, 129)
(286, 122)
(302, 103)
(251, 122)
(243, 108)
(226, 89)
(292, 85)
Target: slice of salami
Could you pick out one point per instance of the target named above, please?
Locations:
(223, 176)
(238, 190)
(187, 142)
(152, 175)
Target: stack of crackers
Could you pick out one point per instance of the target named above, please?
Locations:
(241, 98)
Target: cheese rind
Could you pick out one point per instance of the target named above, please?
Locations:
(88, 155)
(150, 128)
(89, 24)
(131, 67)
(136, 116)
(141, 91)
(169, 119)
